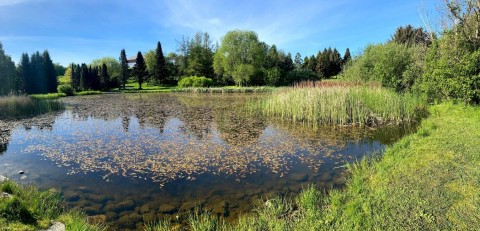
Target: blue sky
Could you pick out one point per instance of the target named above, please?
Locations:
(82, 30)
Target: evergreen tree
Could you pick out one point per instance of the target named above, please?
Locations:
(123, 68)
(346, 57)
(7, 73)
(298, 62)
(84, 76)
(140, 69)
(322, 64)
(38, 74)
(160, 68)
(50, 73)
(23, 73)
(76, 73)
(104, 78)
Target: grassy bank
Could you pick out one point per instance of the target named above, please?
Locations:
(342, 105)
(28, 208)
(12, 107)
(427, 181)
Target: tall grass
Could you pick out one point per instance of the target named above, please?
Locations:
(224, 89)
(342, 105)
(13, 107)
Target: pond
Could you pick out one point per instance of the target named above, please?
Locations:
(135, 158)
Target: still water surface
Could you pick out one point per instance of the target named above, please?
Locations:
(139, 158)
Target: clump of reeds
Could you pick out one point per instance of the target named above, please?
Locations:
(342, 105)
(18, 106)
(224, 90)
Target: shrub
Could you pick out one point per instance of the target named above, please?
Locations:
(195, 81)
(66, 89)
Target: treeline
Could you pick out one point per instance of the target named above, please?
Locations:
(33, 75)
(85, 77)
(444, 67)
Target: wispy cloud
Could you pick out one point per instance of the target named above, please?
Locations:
(15, 2)
(278, 22)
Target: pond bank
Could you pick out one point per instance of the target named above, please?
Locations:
(428, 181)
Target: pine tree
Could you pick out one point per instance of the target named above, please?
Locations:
(140, 69)
(124, 68)
(84, 75)
(50, 73)
(7, 73)
(104, 78)
(160, 69)
(298, 62)
(38, 74)
(346, 57)
(23, 73)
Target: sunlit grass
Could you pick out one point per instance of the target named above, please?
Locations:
(88, 93)
(48, 96)
(342, 105)
(30, 208)
(12, 107)
(225, 89)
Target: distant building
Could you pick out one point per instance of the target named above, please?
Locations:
(131, 61)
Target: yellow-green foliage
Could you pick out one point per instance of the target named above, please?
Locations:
(342, 105)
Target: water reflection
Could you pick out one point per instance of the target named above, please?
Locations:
(143, 157)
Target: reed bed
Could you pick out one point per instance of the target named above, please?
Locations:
(224, 90)
(343, 105)
(14, 106)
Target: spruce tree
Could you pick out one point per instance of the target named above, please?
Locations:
(123, 68)
(160, 69)
(38, 74)
(23, 72)
(7, 73)
(50, 73)
(83, 77)
(346, 57)
(140, 69)
(104, 78)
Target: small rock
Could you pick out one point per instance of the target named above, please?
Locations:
(6, 195)
(3, 178)
(57, 226)
(21, 172)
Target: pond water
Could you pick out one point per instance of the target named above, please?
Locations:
(135, 158)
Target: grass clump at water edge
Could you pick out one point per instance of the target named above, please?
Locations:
(13, 107)
(339, 105)
(28, 208)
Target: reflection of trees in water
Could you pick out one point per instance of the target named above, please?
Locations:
(148, 109)
(5, 133)
(236, 127)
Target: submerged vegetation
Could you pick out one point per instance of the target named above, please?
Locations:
(343, 105)
(12, 107)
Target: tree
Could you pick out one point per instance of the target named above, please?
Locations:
(76, 76)
(59, 69)
(298, 62)
(51, 81)
(196, 56)
(38, 74)
(411, 36)
(240, 54)
(346, 57)
(104, 77)
(7, 73)
(123, 68)
(23, 73)
(140, 69)
(160, 73)
(113, 66)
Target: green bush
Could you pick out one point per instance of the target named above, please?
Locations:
(66, 89)
(394, 65)
(195, 81)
